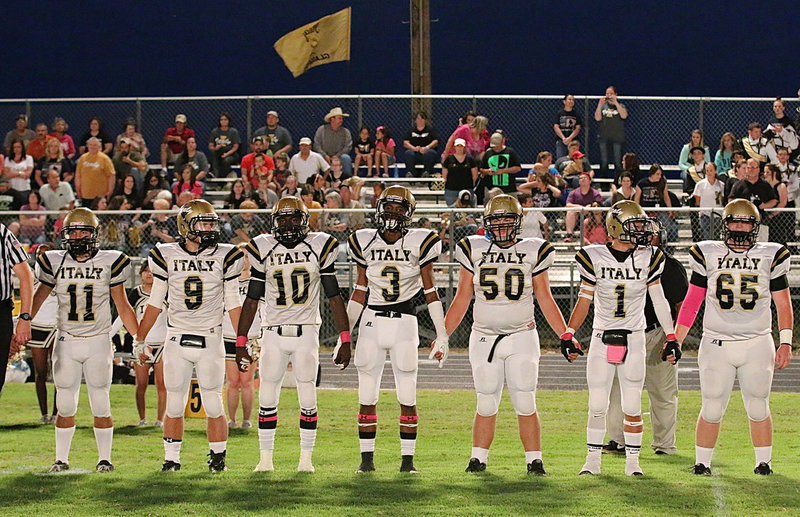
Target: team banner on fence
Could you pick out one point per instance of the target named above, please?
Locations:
(324, 41)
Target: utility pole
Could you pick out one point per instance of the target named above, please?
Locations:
(420, 23)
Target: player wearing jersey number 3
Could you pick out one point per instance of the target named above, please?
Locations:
(83, 277)
(199, 280)
(617, 278)
(288, 267)
(394, 263)
(736, 278)
(504, 273)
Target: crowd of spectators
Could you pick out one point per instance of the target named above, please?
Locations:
(44, 169)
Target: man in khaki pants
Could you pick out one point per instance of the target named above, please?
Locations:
(661, 377)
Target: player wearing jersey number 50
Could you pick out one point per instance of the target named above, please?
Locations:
(618, 277)
(504, 273)
(394, 263)
(83, 277)
(199, 280)
(287, 269)
(736, 278)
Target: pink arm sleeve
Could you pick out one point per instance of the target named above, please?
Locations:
(691, 305)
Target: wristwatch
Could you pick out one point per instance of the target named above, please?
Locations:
(25, 316)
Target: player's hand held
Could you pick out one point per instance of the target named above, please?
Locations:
(783, 356)
(342, 352)
(439, 350)
(142, 352)
(570, 348)
(243, 358)
(672, 350)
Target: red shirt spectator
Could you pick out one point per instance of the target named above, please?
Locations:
(175, 146)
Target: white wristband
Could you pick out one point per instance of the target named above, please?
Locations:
(786, 337)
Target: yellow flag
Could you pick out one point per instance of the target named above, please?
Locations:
(321, 42)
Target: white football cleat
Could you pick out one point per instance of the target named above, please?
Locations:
(592, 466)
(265, 463)
(305, 462)
(632, 468)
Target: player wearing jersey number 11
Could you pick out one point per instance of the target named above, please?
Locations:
(736, 278)
(83, 277)
(504, 273)
(394, 262)
(617, 278)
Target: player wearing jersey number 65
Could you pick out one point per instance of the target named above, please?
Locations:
(736, 278)
(199, 280)
(618, 277)
(287, 270)
(504, 273)
(83, 277)
(394, 263)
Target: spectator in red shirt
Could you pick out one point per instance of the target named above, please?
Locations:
(174, 141)
(585, 195)
(38, 145)
(248, 162)
(60, 128)
(187, 183)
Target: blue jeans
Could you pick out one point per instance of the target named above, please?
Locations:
(561, 150)
(347, 163)
(616, 148)
(670, 226)
(450, 196)
(413, 158)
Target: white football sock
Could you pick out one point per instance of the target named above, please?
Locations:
(532, 455)
(64, 442)
(481, 453)
(172, 450)
(266, 439)
(763, 454)
(703, 455)
(218, 447)
(104, 437)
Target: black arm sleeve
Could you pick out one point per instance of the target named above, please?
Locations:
(779, 284)
(255, 290)
(329, 283)
(699, 280)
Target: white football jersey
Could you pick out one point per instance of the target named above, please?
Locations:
(138, 299)
(393, 270)
(503, 281)
(291, 276)
(47, 317)
(620, 285)
(738, 300)
(255, 328)
(83, 289)
(196, 284)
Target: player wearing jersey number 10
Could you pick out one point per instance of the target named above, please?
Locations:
(199, 280)
(394, 262)
(83, 277)
(736, 278)
(288, 267)
(504, 273)
(617, 277)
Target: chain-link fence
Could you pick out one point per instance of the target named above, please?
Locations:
(656, 129)
(682, 227)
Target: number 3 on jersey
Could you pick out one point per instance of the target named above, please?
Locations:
(300, 280)
(392, 292)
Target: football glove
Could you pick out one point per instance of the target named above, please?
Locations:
(671, 347)
(570, 347)
(141, 349)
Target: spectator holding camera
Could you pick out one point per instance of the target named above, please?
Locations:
(611, 114)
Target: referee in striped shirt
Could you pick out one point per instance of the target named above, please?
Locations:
(13, 258)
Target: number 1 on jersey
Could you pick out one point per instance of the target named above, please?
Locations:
(620, 292)
(88, 293)
(300, 280)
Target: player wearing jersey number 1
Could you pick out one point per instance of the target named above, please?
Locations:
(504, 273)
(198, 279)
(394, 262)
(617, 278)
(736, 278)
(83, 277)
(288, 267)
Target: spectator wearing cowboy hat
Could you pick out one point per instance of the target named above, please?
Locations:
(333, 139)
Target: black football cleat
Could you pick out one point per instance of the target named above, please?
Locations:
(170, 466)
(407, 465)
(104, 466)
(58, 466)
(367, 463)
(763, 469)
(536, 468)
(217, 461)
(613, 447)
(701, 470)
(475, 465)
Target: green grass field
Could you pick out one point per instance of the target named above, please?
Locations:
(138, 488)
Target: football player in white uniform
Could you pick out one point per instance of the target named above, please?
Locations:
(504, 273)
(83, 277)
(152, 353)
(288, 268)
(240, 383)
(394, 263)
(617, 277)
(43, 335)
(736, 278)
(198, 278)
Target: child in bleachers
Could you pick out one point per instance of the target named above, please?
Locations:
(281, 169)
(365, 150)
(384, 150)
